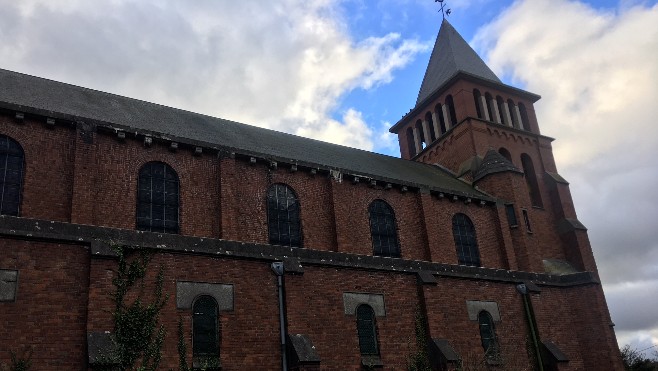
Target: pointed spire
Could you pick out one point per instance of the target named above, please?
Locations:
(451, 54)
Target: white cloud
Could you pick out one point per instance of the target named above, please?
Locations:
(352, 131)
(385, 141)
(598, 74)
(282, 65)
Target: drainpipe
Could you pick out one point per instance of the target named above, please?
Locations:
(523, 290)
(277, 268)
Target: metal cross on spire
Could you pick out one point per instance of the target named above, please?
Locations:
(444, 11)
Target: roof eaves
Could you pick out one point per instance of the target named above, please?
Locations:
(114, 127)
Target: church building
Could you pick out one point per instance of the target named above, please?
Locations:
(215, 245)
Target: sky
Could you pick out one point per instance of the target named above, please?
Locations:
(344, 71)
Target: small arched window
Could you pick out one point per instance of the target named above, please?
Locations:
(451, 110)
(531, 180)
(382, 229)
(488, 335)
(465, 241)
(525, 122)
(477, 96)
(367, 330)
(501, 110)
(422, 138)
(430, 125)
(490, 109)
(283, 216)
(157, 198)
(411, 142)
(442, 122)
(205, 329)
(503, 151)
(12, 159)
(512, 113)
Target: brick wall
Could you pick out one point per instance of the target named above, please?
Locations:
(48, 161)
(84, 175)
(316, 309)
(448, 318)
(49, 314)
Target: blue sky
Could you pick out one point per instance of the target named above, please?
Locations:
(418, 19)
(344, 71)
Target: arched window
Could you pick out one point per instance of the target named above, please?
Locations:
(451, 110)
(411, 143)
(12, 159)
(421, 134)
(367, 329)
(439, 114)
(465, 242)
(283, 216)
(488, 335)
(382, 229)
(524, 117)
(531, 180)
(157, 198)
(477, 96)
(490, 109)
(430, 125)
(205, 329)
(501, 110)
(512, 112)
(503, 151)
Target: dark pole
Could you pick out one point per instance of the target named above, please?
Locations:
(523, 290)
(277, 267)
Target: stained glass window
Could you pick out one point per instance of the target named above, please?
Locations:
(488, 335)
(382, 229)
(365, 324)
(157, 198)
(283, 216)
(11, 175)
(465, 242)
(205, 332)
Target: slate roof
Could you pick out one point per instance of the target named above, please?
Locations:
(492, 163)
(451, 55)
(64, 101)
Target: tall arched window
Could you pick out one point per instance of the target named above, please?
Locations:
(411, 142)
(525, 121)
(421, 134)
(465, 241)
(382, 229)
(488, 335)
(442, 122)
(501, 110)
(451, 110)
(531, 180)
(205, 330)
(12, 159)
(490, 109)
(430, 125)
(283, 216)
(157, 198)
(477, 96)
(367, 329)
(512, 112)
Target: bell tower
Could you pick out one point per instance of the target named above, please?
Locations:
(485, 132)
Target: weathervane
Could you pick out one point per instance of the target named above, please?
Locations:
(444, 12)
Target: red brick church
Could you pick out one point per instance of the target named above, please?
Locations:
(276, 252)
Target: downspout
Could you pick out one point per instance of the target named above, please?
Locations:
(523, 290)
(277, 268)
